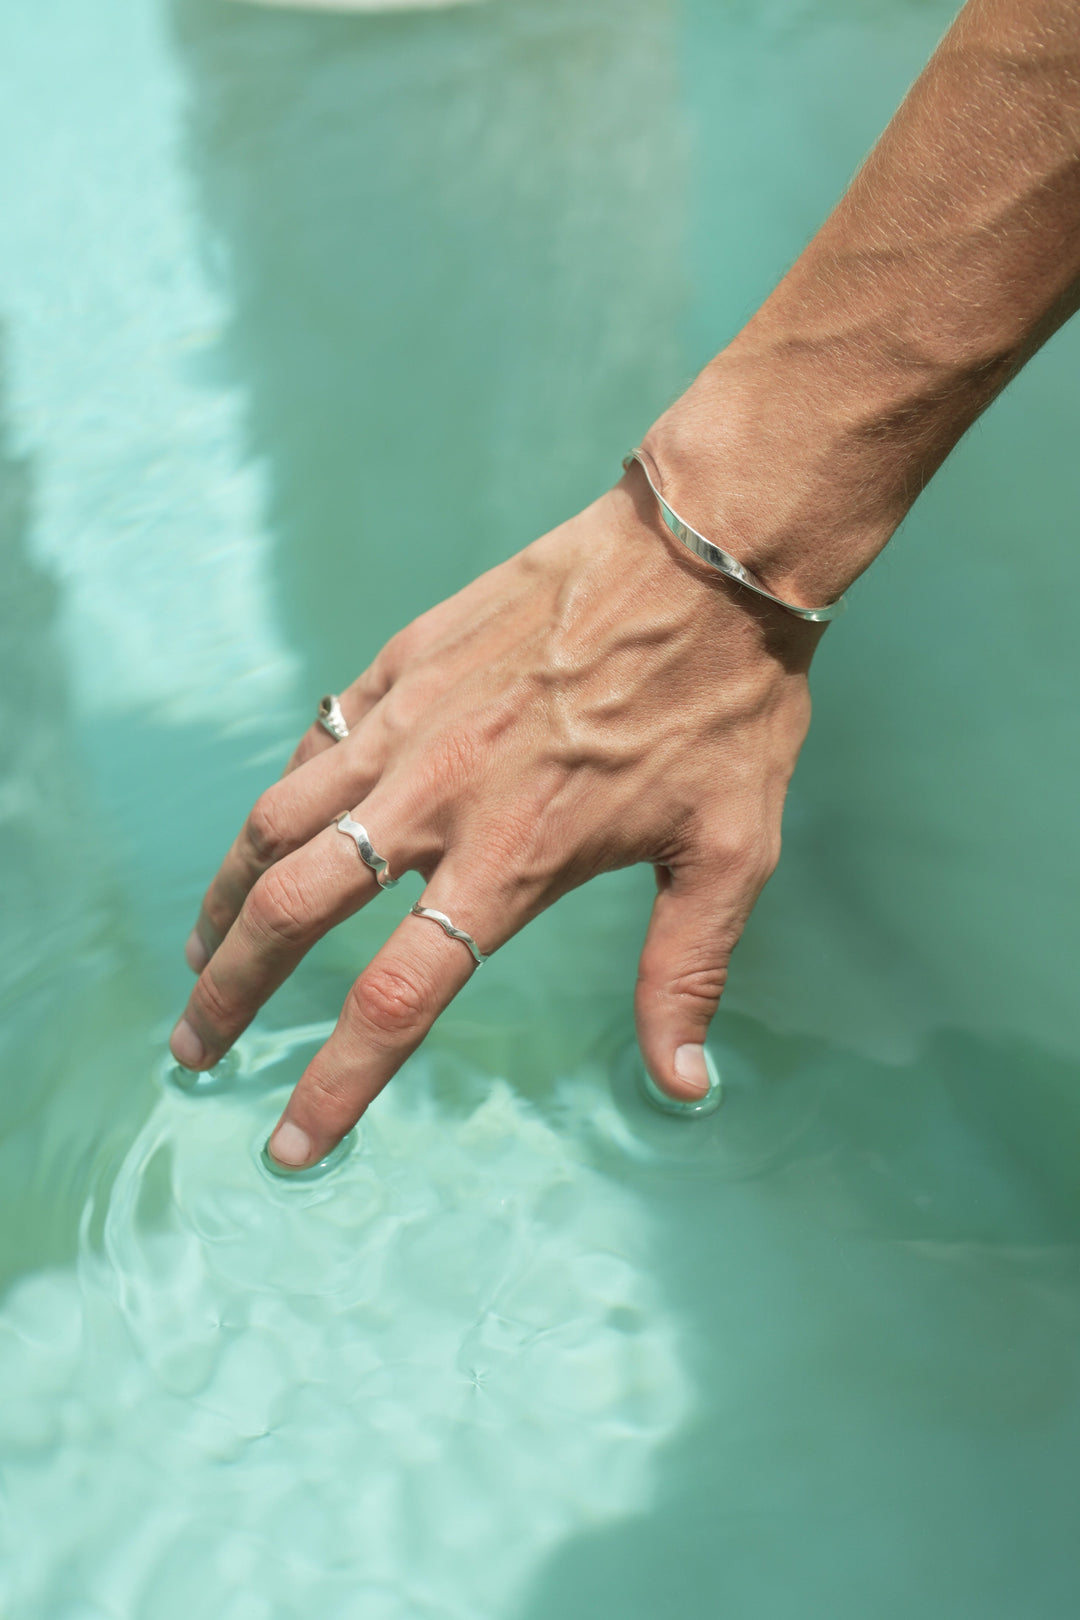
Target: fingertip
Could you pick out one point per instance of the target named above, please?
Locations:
(195, 952)
(290, 1146)
(688, 1076)
(186, 1046)
(682, 1093)
(690, 1069)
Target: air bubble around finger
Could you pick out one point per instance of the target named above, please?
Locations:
(203, 1082)
(696, 1108)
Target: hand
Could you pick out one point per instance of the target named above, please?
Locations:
(598, 700)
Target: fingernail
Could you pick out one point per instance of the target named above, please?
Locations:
(186, 1047)
(290, 1146)
(195, 953)
(691, 1069)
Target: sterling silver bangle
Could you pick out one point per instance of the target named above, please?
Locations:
(722, 560)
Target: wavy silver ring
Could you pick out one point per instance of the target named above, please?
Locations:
(331, 718)
(358, 834)
(448, 928)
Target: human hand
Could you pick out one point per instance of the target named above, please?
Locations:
(598, 700)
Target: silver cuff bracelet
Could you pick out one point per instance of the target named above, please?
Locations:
(722, 560)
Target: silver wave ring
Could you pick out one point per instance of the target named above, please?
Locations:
(448, 928)
(331, 718)
(365, 850)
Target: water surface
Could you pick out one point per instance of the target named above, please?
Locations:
(306, 319)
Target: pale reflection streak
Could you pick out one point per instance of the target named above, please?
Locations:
(148, 512)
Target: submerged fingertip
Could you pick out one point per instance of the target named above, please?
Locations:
(691, 1070)
(289, 1146)
(186, 1047)
(681, 1091)
(288, 1139)
(195, 952)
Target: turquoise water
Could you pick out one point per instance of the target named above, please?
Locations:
(305, 320)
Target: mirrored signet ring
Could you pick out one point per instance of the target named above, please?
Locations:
(366, 850)
(330, 717)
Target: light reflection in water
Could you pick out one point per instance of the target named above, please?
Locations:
(148, 506)
(319, 1366)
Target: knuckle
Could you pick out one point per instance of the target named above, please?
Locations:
(505, 841)
(457, 757)
(277, 908)
(521, 855)
(389, 1001)
(747, 856)
(400, 711)
(768, 858)
(695, 985)
(409, 703)
(409, 644)
(757, 859)
(726, 851)
(700, 986)
(264, 830)
(219, 909)
(377, 679)
(395, 655)
(214, 1009)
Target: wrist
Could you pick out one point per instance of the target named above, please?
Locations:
(802, 452)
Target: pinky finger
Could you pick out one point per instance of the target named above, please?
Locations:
(354, 704)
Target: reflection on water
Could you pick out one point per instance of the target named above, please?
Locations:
(145, 510)
(61, 977)
(452, 247)
(281, 1388)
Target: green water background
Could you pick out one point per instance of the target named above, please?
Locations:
(305, 321)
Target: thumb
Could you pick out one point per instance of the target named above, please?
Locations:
(684, 964)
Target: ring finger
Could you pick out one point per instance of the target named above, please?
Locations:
(294, 903)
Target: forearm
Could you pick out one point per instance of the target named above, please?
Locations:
(953, 256)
